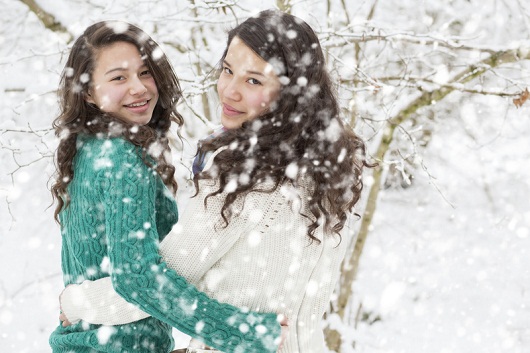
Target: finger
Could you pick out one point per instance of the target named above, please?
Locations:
(64, 320)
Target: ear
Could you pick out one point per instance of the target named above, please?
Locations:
(88, 98)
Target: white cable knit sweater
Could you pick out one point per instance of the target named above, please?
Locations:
(263, 260)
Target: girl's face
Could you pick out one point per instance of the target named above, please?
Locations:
(247, 85)
(122, 85)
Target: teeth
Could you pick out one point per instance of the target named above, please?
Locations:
(137, 104)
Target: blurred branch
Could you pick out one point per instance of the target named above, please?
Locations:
(33, 97)
(526, 14)
(179, 47)
(284, 5)
(13, 219)
(194, 112)
(414, 38)
(14, 152)
(45, 153)
(496, 59)
(28, 284)
(345, 9)
(28, 130)
(20, 166)
(47, 19)
(419, 84)
(198, 31)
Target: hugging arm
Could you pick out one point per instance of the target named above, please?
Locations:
(141, 277)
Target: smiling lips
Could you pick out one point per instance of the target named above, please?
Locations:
(138, 107)
(230, 111)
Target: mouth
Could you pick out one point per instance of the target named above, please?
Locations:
(137, 104)
(230, 111)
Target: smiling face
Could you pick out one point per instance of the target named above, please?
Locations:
(247, 85)
(122, 84)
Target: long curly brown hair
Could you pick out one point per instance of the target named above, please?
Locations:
(77, 116)
(302, 137)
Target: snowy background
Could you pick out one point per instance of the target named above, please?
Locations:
(446, 267)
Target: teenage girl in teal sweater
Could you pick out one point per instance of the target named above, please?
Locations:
(118, 97)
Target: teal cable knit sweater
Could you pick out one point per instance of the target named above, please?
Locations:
(119, 211)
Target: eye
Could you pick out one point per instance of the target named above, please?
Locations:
(118, 78)
(253, 81)
(145, 73)
(227, 71)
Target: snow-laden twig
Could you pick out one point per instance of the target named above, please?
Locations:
(331, 38)
(28, 130)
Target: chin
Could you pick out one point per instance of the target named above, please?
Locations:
(142, 120)
(231, 124)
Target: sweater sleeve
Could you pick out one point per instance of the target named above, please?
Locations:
(98, 303)
(140, 276)
(191, 249)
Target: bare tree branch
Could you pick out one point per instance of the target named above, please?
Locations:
(414, 38)
(28, 130)
(47, 19)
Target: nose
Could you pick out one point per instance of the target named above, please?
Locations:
(232, 90)
(136, 86)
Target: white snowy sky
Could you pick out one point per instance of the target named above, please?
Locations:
(446, 265)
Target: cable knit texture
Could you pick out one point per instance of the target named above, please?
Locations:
(119, 212)
(263, 260)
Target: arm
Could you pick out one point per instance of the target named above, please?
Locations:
(139, 275)
(97, 302)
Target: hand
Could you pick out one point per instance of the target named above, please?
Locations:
(64, 320)
(284, 323)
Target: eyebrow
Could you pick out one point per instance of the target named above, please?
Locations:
(248, 71)
(115, 69)
(122, 69)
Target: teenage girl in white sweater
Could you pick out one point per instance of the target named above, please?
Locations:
(267, 228)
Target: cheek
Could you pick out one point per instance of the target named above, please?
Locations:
(221, 84)
(152, 85)
(107, 100)
(260, 101)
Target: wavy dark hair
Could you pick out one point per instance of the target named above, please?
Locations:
(77, 116)
(301, 137)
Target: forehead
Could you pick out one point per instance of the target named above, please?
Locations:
(121, 54)
(240, 55)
